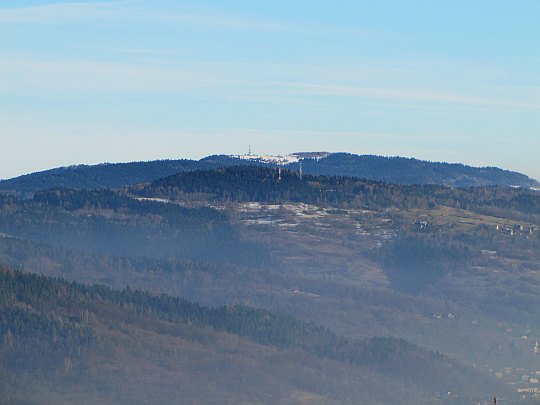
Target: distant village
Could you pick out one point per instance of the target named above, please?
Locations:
(516, 230)
(525, 382)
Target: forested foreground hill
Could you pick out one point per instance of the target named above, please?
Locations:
(379, 168)
(68, 343)
(261, 184)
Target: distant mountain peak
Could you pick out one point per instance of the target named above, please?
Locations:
(395, 169)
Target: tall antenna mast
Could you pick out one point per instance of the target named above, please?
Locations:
(279, 168)
(301, 171)
(249, 152)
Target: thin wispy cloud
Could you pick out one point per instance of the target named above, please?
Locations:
(220, 80)
(125, 9)
(69, 11)
(74, 75)
(132, 10)
(399, 94)
(365, 68)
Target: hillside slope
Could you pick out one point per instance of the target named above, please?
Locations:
(262, 184)
(97, 176)
(414, 171)
(450, 269)
(65, 342)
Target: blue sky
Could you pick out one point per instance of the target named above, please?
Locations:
(89, 82)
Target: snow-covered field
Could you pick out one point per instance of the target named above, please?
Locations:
(283, 159)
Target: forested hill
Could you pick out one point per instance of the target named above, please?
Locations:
(109, 222)
(413, 171)
(53, 330)
(106, 175)
(399, 170)
(263, 185)
(110, 175)
(388, 169)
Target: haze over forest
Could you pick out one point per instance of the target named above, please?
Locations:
(306, 202)
(294, 287)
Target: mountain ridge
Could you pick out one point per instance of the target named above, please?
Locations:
(397, 170)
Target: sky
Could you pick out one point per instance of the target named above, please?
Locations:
(128, 80)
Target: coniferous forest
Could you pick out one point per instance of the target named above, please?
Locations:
(245, 284)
